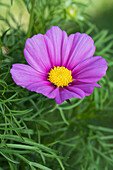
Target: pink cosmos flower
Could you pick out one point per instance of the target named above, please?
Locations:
(60, 67)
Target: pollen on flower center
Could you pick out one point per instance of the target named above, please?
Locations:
(60, 76)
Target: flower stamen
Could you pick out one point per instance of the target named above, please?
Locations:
(60, 76)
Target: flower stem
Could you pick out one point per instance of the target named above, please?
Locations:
(68, 101)
(1, 55)
(31, 19)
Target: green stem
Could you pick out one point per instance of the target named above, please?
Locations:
(31, 19)
(1, 55)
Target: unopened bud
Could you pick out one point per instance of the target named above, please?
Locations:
(5, 49)
(72, 12)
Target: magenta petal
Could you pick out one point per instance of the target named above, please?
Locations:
(46, 88)
(85, 87)
(31, 79)
(78, 90)
(81, 47)
(90, 70)
(25, 75)
(68, 93)
(97, 85)
(58, 40)
(67, 49)
(36, 53)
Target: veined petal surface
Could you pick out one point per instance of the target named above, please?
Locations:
(90, 70)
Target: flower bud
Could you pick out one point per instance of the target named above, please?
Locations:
(5, 49)
(72, 11)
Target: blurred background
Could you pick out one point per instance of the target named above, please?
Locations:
(101, 12)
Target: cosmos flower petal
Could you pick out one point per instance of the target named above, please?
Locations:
(25, 75)
(45, 88)
(59, 40)
(67, 49)
(78, 90)
(81, 47)
(68, 93)
(90, 70)
(97, 85)
(31, 79)
(85, 87)
(36, 53)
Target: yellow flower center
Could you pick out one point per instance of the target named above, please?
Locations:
(60, 76)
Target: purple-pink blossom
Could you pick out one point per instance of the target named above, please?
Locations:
(60, 67)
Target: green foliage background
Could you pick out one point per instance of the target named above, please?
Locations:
(35, 132)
